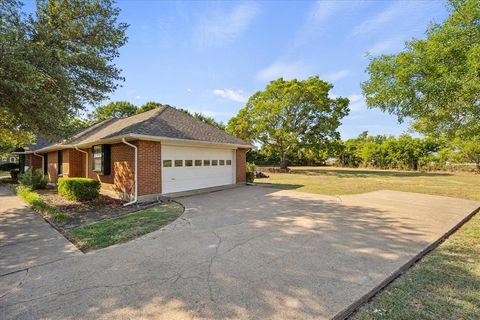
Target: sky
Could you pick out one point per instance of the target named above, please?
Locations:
(209, 57)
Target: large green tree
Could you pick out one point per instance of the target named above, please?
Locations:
(117, 109)
(289, 115)
(436, 81)
(55, 62)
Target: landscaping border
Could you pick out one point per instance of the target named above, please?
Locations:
(350, 310)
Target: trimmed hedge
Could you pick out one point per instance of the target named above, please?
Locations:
(78, 189)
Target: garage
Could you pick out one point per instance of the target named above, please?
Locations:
(188, 168)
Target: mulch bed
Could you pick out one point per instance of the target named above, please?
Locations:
(89, 211)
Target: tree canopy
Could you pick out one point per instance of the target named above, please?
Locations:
(55, 62)
(436, 81)
(289, 115)
(118, 109)
(148, 106)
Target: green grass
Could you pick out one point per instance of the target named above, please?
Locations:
(116, 230)
(333, 181)
(443, 285)
(34, 199)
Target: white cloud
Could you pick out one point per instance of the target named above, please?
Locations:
(189, 90)
(220, 28)
(317, 19)
(400, 16)
(285, 70)
(357, 102)
(335, 76)
(229, 94)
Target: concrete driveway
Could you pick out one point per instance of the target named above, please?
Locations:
(244, 253)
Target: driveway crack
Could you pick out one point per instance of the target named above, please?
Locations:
(209, 270)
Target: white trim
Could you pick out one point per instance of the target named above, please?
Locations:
(135, 174)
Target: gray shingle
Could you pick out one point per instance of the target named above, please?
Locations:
(165, 121)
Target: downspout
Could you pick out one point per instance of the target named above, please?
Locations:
(43, 160)
(86, 160)
(135, 175)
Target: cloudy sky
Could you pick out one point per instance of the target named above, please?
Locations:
(210, 57)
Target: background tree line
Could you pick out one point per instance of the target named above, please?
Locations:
(384, 152)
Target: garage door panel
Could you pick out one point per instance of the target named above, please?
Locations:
(177, 179)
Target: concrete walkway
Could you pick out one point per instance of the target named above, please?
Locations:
(26, 240)
(245, 253)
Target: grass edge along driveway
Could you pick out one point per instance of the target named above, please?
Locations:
(108, 232)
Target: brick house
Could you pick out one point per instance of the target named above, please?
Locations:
(159, 152)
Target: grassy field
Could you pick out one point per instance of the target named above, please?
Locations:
(443, 285)
(332, 181)
(116, 230)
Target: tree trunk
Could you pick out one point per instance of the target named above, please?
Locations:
(283, 162)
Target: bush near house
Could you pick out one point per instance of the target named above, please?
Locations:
(250, 172)
(33, 179)
(79, 189)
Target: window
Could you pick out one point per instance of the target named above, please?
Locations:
(206, 162)
(101, 157)
(214, 162)
(198, 163)
(167, 163)
(60, 162)
(222, 162)
(178, 163)
(188, 163)
(45, 163)
(229, 162)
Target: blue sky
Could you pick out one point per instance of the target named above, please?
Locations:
(210, 57)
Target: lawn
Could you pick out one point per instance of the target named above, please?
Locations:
(120, 229)
(333, 181)
(443, 285)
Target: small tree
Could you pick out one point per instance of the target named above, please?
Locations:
(289, 115)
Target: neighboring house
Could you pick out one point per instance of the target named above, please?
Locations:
(158, 152)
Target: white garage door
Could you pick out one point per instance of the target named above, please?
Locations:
(190, 168)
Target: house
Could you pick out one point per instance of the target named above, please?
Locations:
(159, 152)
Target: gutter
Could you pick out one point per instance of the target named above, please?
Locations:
(86, 160)
(136, 173)
(43, 162)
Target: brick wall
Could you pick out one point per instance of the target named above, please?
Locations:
(32, 161)
(241, 163)
(149, 167)
(52, 167)
(121, 177)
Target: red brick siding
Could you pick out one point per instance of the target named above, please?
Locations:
(149, 167)
(52, 167)
(241, 162)
(32, 161)
(76, 164)
(121, 177)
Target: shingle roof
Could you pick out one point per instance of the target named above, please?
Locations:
(162, 122)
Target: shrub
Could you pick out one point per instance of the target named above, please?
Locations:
(250, 172)
(33, 179)
(14, 174)
(9, 166)
(78, 189)
(34, 199)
